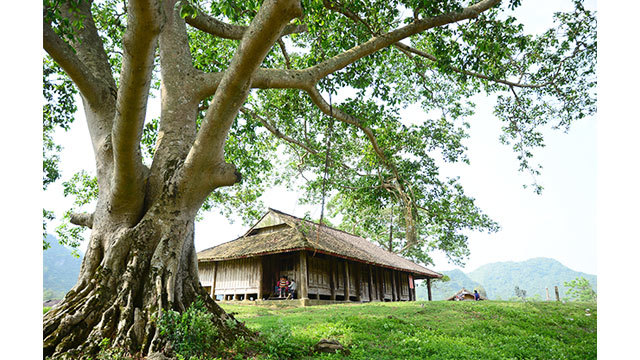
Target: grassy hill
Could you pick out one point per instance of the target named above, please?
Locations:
(499, 280)
(428, 330)
(60, 270)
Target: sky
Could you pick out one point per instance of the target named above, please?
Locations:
(559, 224)
(616, 214)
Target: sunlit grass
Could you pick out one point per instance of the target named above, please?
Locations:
(434, 330)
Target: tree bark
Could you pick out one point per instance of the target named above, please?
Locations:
(148, 268)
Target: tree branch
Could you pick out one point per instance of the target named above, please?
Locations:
(263, 78)
(408, 50)
(376, 43)
(207, 153)
(221, 29)
(82, 219)
(179, 105)
(90, 87)
(139, 43)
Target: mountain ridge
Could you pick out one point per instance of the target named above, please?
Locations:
(499, 279)
(60, 269)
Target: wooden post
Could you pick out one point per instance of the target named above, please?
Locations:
(370, 284)
(333, 264)
(412, 295)
(557, 293)
(346, 281)
(358, 282)
(381, 281)
(304, 284)
(213, 281)
(429, 288)
(548, 298)
(394, 289)
(260, 277)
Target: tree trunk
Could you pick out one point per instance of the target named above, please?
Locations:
(145, 269)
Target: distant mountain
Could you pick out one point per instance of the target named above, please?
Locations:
(60, 270)
(500, 279)
(533, 275)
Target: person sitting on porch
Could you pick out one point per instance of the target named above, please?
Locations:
(281, 286)
(292, 289)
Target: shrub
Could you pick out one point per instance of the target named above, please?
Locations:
(580, 289)
(192, 333)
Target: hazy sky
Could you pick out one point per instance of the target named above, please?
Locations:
(559, 224)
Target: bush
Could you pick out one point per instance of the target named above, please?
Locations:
(192, 333)
(580, 289)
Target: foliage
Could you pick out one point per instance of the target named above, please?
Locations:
(579, 289)
(520, 293)
(57, 112)
(432, 330)
(192, 333)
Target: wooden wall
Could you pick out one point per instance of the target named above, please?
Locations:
(206, 272)
(232, 278)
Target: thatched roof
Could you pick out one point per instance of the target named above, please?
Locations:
(465, 292)
(278, 232)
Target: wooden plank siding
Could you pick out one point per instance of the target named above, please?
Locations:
(205, 272)
(238, 277)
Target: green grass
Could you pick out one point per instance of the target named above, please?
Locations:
(428, 330)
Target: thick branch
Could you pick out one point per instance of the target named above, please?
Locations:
(177, 127)
(221, 29)
(342, 60)
(207, 154)
(139, 43)
(90, 87)
(82, 219)
(207, 83)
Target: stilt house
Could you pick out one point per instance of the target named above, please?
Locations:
(326, 263)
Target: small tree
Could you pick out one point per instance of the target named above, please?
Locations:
(579, 289)
(520, 293)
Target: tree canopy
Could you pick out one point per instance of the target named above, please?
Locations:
(329, 95)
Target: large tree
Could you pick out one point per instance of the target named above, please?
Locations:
(321, 82)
